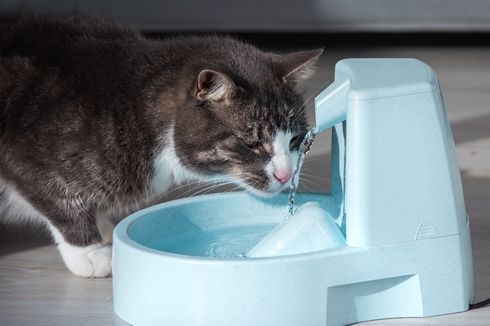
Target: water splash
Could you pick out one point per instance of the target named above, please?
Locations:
(303, 150)
(232, 242)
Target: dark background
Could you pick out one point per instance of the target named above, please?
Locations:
(288, 22)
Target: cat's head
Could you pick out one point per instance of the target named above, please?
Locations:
(245, 118)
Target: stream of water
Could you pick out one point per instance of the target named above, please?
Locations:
(303, 150)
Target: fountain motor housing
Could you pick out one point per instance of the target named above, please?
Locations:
(395, 168)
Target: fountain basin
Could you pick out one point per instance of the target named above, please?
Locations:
(161, 278)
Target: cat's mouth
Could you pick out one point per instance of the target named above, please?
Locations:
(264, 183)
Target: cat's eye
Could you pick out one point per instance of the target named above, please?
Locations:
(250, 142)
(295, 142)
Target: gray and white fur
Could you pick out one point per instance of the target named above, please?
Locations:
(96, 118)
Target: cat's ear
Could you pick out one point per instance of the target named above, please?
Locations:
(213, 85)
(297, 66)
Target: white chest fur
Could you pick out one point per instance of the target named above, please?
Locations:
(167, 168)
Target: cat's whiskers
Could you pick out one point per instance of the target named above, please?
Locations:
(306, 187)
(314, 160)
(311, 183)
(208, 189)
(188, 192)
(194, 191)
(184, 185)
(314, 174)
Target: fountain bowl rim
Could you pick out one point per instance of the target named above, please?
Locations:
(123, 240)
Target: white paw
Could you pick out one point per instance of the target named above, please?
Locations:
(90, 261)
(101, 259)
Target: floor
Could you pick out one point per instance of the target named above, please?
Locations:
(36, 289)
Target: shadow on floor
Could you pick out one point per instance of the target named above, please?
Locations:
(17, 238)
(471, 129)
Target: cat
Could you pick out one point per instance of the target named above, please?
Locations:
(96, 117)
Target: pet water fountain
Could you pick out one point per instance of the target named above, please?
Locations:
(402, 248)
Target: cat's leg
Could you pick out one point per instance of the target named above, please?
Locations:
(105, 224)
(92, 260)
(73, 228)
(81, 245)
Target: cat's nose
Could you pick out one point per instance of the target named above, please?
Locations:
(282, 176)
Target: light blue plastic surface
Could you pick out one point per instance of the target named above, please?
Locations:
(311, 228)
(395, 194)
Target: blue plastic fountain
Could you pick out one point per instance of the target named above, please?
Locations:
(396, 196)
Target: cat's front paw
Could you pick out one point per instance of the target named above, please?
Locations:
(90, 261)
(101, 259)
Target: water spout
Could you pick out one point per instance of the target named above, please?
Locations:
(331, 105)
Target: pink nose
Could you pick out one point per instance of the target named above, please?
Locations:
(282, 176)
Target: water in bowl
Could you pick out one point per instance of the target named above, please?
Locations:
(219, 243)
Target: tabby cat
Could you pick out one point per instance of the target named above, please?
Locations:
(96, 117)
